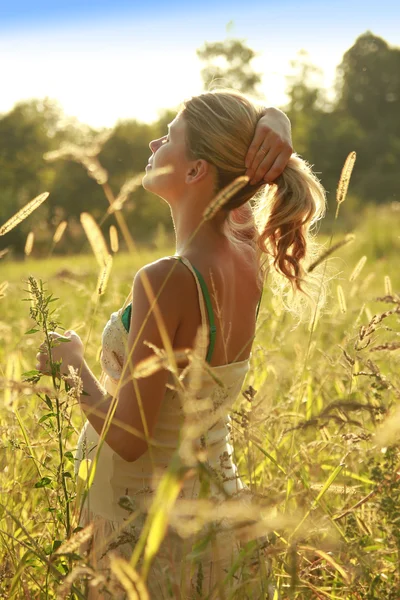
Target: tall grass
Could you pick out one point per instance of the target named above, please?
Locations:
(315, 435)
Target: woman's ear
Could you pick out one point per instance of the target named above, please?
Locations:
(198, 170)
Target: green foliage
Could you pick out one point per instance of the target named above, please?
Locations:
(364, 116)
(228, 64)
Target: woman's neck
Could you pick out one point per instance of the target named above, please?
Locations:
(192, 231)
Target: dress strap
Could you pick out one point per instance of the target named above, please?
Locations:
(204, 296)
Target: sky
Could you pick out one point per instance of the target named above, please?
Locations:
(103, 61)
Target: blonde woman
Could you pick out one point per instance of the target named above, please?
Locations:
(214, 280)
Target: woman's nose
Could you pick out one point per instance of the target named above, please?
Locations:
(154, 144)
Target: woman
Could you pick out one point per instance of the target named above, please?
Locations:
(214, 281)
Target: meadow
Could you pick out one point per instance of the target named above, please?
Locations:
(315, 431)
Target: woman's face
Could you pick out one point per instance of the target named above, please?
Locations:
(169, 151)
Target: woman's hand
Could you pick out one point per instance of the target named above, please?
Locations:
(271, 147)
(67, 348)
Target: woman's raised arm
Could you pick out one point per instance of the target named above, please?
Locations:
(271, 147)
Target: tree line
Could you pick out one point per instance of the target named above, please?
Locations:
(364, 116)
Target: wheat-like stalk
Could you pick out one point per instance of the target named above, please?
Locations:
(345, 178)
(341, 299)
(75, 541)
(59, 232)
(114, 243)
(29, 243)
(104, 275)
(225, 195)
(24, 212)
(358, 268)
(96, 239)
(388, 286)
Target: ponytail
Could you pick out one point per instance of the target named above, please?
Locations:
(284, 216)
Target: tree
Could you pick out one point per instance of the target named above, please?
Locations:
(228, 64)
(368, 83)
(369, 92)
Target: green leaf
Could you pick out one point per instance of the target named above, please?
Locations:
(33, 373)
(56, 544)
(47, 416)
(31, 331)
(48, 401)
(69, 455)
(45, 481)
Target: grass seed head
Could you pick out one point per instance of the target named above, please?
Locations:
(358, 268)
(114, 243)
(29, 243)
(96, 239)
(3, 287)
(341, 299)
(345, 178)
(103, 276)
(24, 212)
(225, 195)
(388, 286)
(59, 232)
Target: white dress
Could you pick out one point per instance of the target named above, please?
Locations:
(136, 482)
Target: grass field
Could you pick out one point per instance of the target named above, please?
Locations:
(317, 444)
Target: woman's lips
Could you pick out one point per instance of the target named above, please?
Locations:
(148, 167)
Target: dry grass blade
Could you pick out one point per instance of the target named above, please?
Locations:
(96, 239)
(345, 178)
(330, 561)
(358, 268)
(3, 287)
(225, 195)
(129, 579)
(126, 190)
(29, 243)
(388, 286)
(59, 232)
(341, 299)
(4, 252)
(155, 363)
(23, 213)
(103, 276)
(114, 243)
(347, 240)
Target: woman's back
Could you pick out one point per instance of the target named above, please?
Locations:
(231, 278)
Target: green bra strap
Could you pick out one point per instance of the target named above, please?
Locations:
(126, 317)
(213, 328)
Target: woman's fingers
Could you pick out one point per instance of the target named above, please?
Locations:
(259, 136)
(42, 361)
(270, 148)
(278, 166)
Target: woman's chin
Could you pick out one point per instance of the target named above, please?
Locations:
(146, 181)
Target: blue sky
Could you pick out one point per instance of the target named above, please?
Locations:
(106, 60)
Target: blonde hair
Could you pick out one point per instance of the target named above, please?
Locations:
(220, 127)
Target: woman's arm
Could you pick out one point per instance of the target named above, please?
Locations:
(138, 400)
